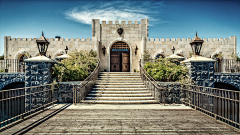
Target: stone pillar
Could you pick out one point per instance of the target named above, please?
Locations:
(38, 71)
(201, 70)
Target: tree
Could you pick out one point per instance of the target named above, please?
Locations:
(77, 67)
(166, 70)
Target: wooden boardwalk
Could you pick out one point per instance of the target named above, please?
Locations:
(120, 121)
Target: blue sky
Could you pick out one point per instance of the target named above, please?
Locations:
(72, 18)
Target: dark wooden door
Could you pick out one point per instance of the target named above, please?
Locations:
(115, 63)
(125, 62)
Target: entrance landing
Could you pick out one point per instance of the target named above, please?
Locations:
(73, 120)
(124, 106)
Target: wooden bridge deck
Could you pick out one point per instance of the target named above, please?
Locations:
(120, 121)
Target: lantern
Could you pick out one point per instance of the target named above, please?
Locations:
(42, 44)
(196, 45)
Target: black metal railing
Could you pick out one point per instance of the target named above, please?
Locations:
(222, 104)
(15, 104)
(158, 91)
(218, 66)
(227, 65)
(81, 91)
(232, 65)
(12, 65)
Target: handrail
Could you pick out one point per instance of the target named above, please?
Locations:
(223, 105)
(158, 91)
(15, 104)
(79, 88)
(12, 65)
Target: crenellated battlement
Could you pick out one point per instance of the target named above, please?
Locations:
(50, 39)
(120, 22)
(188, 39)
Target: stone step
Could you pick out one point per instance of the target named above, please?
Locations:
(110, 75)
(117, 81)
(119, 92)
(119, 86)
(119, 89)
(119, 76)
(119, 95)
(122, 79)
(119, 98)
(120, 102)
(101, 83)
(132, 73)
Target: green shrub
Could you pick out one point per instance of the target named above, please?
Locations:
(166, 70)
(1, 71)
(2, 57)
(77, 67)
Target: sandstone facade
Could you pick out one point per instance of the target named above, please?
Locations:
(104, 34)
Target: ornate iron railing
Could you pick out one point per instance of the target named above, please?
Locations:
(16, 104)
(232, 65)
(158, 91)
(227, 66)
(222, 104)
(81, 91)
(12, 65)
(218, 66)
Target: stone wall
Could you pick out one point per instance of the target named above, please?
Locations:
(38, 73)
(16, 47)
(210, 46)
(201, 73)
(228, 78)
(173, 93)
(8, 78)
(65, 94)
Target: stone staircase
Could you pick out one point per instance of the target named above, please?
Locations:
(119, 88)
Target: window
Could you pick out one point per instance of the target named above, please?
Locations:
(120, 46)
(159, 56)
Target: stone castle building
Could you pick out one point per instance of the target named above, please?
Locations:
(120, 46)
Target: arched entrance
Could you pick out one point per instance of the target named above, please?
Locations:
(120, 57)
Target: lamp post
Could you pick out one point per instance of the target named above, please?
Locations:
(42, 44)
(196, 45)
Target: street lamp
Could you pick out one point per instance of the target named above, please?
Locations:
(42, 44)
(196, 45)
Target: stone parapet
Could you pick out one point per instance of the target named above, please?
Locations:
(173, 92)
(65, 94)
(8, 78)
(201, 73)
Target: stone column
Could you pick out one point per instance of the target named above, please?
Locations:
(201, 70)
(38, 71)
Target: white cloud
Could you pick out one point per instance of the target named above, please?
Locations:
(112, 11)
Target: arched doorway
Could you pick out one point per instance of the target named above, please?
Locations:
(159, 56)
(120, 57)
